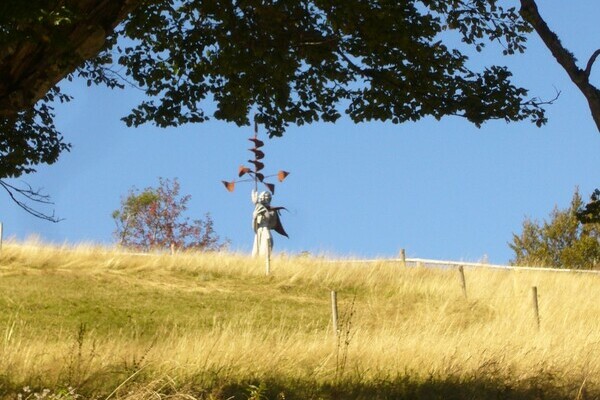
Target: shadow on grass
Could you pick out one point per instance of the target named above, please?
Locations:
(483, 387)
(542, 387)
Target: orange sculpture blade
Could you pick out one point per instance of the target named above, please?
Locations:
(281, 175)
(243, 170)
(270, 186)
(229, 185)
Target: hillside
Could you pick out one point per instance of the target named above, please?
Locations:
(92, 322)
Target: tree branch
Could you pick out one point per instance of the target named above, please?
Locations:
(370, 72)
(588, 68)
(565, 58)
(529, 12)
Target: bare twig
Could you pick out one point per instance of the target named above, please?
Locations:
(536, 101)
(123, 78)
(21, 197)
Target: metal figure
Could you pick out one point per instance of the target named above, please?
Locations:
(264, 218)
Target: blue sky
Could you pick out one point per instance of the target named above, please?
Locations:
(440, 189)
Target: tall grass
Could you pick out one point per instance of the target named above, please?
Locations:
(212, 325)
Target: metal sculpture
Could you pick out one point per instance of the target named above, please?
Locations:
(265, 217)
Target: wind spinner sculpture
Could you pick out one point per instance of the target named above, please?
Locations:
(265, 217)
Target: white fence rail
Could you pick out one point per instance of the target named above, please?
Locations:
(414, 262)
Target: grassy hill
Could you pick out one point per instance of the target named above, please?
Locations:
(91, 322)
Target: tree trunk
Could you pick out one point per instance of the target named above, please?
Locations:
(30, 68)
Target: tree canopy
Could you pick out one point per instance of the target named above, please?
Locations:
(287, 62)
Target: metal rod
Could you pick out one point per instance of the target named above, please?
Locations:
(255, 137)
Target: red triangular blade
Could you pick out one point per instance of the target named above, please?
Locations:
(281, 175)
(243, 170)
(229, 185)
(270, 186)
(259, 176)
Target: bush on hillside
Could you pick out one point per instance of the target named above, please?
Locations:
(561, 242)
(152, 219)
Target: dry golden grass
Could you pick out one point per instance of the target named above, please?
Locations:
(195, 324)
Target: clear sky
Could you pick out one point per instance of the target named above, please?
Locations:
(442, 190)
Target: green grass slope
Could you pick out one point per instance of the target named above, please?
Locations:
(88, 322)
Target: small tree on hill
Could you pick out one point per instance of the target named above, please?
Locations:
(590, 213)
(561, 242)
(153, 219)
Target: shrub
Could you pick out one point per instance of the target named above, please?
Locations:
(562, 242)
(153, 219)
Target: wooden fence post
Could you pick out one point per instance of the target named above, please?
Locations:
(463, 282)
(334, 312)
(536, 310)
(403, 257)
